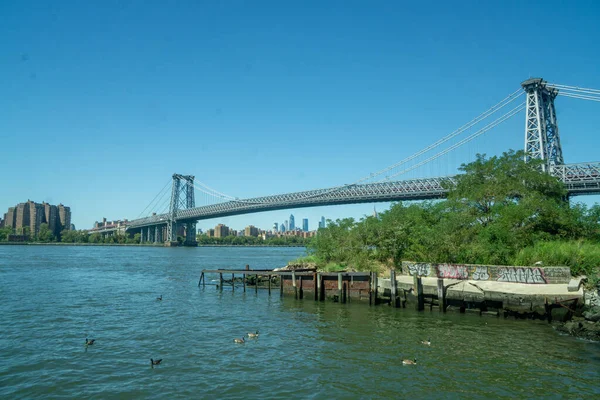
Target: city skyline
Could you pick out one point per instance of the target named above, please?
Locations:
(350, 95)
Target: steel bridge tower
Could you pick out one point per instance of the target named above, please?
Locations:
(182, 198)
(542, 141)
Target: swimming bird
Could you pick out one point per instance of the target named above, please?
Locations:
(155, 362)
(89, 342)
(159, 298)
(239, 340)
(409, 362)
(253, 335)
(426, 342)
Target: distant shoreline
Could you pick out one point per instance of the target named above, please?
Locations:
(140, 245)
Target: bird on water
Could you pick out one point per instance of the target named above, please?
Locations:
(155, 362)
(426, 342)
(159, 298)
(252, 335)
(239, 340)
(89, 342)
(409, 362)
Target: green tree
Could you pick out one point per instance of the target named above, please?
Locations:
(45, 235)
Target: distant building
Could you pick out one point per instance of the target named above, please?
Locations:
(221, 230)
(322, 222)
(73, 227)
(305, 224)
(26, 218)
(275, 227)
(210, 232)
(292, 222)
(251, 230)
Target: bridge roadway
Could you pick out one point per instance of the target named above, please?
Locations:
(579, 179)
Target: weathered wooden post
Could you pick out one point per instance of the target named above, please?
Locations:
(316, 286)
(244, 277)
(301, 289)
(419, 293)
(340, 287)
(221, 281)
(280, 285)
(441, 294)
(269, 285)
(393, 288)
(233, 282)
(256, 284)
(294, 284)
(201, 280)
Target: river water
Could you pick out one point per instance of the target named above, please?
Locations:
(53, 297)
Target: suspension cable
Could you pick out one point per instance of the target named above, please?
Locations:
(149, 204)
(510, 98)
(579, 96)
(559, 86)
(486, 128)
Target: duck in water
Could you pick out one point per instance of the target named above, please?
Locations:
(155, 362)
(89, 342)
(239, 340)
(159, 298)
(252, 335)
(409, 362)
(426, 342)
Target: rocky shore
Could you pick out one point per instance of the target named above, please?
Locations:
(586, 325)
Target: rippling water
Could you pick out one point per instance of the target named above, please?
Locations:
(52, 298)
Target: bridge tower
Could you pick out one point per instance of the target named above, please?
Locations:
(542, 141)
(182, 198)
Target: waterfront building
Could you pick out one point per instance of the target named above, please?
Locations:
(305, 224)
(292, 222)
(26, 218)
(275, 227)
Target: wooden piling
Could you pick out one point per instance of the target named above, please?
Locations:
(301, 290)
(269, 285)
(232, 282)
(316, 286)
(244, 277)
(393, 288)
(256, 284)
(220, 281)
(280, 285)
(441, 295)
(344, 291)
(294, 284)
(201, 280)
(419, 293)
(339, 286)
(321, 288)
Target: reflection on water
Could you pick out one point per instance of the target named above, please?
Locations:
(52, 298)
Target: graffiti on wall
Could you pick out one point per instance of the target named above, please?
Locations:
(521, 275)
(419, 269)
(452, 271)
(481, 274)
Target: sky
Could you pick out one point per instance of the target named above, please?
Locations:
(102, 101)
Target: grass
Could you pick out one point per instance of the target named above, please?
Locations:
(583, 258)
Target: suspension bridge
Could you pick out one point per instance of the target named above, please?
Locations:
(542, 142)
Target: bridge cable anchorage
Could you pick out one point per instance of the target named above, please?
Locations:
(483, 130)
(149, 204)
(504, 102)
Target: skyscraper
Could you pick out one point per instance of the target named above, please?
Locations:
(322, 222)
(285, 224)
(305, 224)
(275, 227)
(292, 222)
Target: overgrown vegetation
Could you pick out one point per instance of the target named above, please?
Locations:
(500, 211)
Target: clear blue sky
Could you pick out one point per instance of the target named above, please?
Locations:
(101, 102)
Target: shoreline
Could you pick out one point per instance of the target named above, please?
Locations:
(140, 244)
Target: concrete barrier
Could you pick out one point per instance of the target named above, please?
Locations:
(498, 273)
